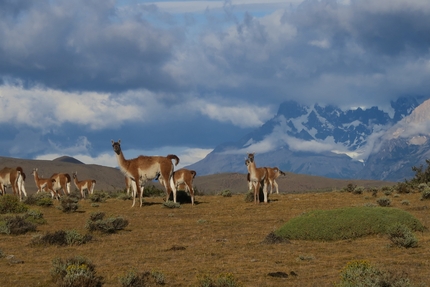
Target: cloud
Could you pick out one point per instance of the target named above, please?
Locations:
(44, 108)
(194, 73)
(242, 115)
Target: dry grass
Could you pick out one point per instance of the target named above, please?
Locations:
(218, 235)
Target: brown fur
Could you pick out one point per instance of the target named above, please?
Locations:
(258, 176)
(59, 181)
(144, 168)
(42, 184)
(87, 184)
(185, 177)
(272, 174)
(10, 176)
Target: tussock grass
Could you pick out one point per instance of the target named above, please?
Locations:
(346, 223)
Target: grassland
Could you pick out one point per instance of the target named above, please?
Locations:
(218, 235)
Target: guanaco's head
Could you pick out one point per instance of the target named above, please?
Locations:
(116, 146)
(251, 157)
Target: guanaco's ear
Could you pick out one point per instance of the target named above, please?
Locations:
(112, 141)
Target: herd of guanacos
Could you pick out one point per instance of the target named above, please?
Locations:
(143, 168)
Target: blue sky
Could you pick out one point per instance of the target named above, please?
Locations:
(185, 76)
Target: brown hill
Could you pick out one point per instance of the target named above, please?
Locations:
(109, 179)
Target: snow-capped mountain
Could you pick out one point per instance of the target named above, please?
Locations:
(404, 145)
(317, 140)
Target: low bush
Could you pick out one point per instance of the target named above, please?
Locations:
(358, 190)
(249, 196)
(11, 204)
(422, 186)
(346, 223)
(143, 279)
(125, 196)
(171, 204)
(425, 194)
(39, 199)
(363, 273)
(402, 236)
(109, 225)
(225, 193)
(16, 225)
(69, 203)
(61, 238)
(75, 272)
(34, 216)
(350, 187)
(222, 280)
(383, 201)
(99, 196)
(403, 187)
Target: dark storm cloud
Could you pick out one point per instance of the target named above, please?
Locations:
(84, 45)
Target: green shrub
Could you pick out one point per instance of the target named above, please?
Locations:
(125, 196)
(421, 176)
(383, 201)
(99, 196)
(222, 280)
(34, 216)
(225, 193)
(39, 199)
(69, 203)
(350, 187)
(405, 202)
(425, 194)
(360, 273)
(11, 204)
(171, 204)
(61, 238)
(345, 223)
(144, 279)
(16, 225)
(75, 272)
(358, 190)
(403, 187)
(249, 196)
(109, 225)
(422, 186)
(402, 235)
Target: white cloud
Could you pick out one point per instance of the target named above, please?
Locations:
(241, 115)
(179, 7)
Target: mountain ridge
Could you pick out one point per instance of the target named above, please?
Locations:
(317, 140)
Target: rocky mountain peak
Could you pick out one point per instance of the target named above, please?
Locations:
(329, 141)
